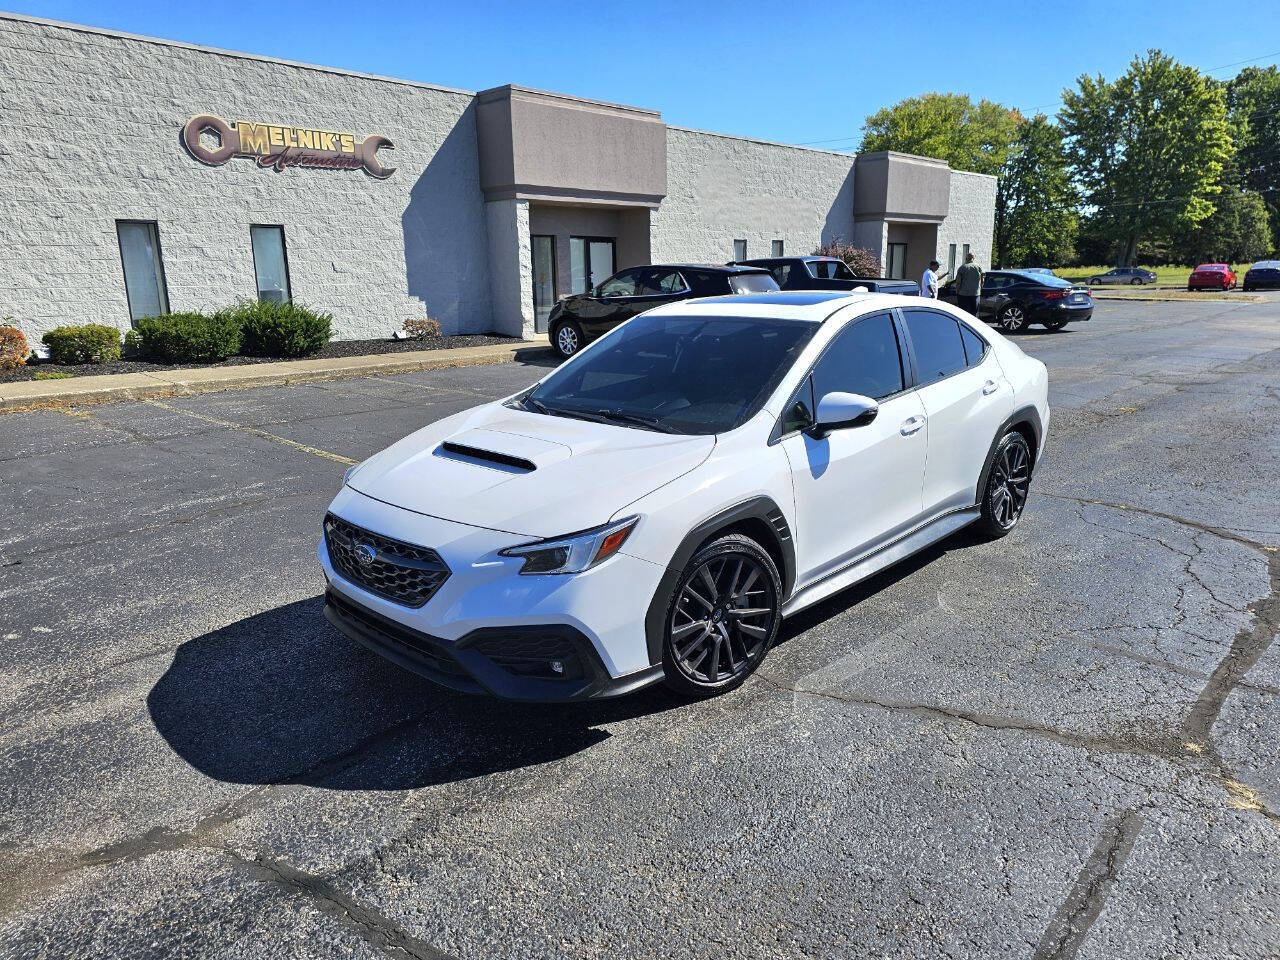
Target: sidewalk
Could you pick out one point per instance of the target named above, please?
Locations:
(27, 394)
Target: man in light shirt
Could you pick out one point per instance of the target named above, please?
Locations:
(929, 282)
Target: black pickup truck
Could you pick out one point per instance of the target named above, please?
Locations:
(827, 273)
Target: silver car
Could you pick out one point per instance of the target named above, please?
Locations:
(1133, 275)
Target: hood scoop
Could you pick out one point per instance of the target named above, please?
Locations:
(485, 458)
(500, 450)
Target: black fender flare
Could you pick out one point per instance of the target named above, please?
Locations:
(759, 508)
(1028, 416)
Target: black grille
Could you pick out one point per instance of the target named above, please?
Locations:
(398, 571)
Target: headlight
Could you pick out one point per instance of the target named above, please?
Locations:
(576, 551)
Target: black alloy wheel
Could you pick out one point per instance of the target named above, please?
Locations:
(1012, 319)
(723, 617)
(1007, 485)
(567, 339)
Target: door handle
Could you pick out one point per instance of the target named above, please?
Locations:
(912, 425)
(989, 388)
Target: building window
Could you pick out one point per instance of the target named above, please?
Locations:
(544, 278)
(966, 253)
(951, 260)
(143, 268)
(897, 261)
(270, 263)
(739, 250)
(775, 248)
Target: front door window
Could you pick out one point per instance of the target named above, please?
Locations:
(544, 279)
(590, 262)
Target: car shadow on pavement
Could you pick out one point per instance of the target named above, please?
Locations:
(282, 697)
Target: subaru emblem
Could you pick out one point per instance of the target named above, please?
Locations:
(365, 554)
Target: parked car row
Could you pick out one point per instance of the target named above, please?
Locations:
(578, 319)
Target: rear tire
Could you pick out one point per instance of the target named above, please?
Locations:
(1007, 487)
(722, 618)
(567, 339)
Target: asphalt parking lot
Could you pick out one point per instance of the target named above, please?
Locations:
(1059, 745)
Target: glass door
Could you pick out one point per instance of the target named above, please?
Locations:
(897, 261)
(544, 279)
(591, 262)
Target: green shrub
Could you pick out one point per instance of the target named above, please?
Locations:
(189, 337)
(280, 329)
(132, 348)
(89, 343)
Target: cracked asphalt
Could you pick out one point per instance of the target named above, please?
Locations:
(1059, 745)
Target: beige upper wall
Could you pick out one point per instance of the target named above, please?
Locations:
(535, 144)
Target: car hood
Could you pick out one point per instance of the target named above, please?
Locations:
(525, 473)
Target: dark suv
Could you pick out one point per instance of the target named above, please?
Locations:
(827, 273)
(578, 319)
(1015, 299)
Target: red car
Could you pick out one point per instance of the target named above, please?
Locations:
(1212, 276)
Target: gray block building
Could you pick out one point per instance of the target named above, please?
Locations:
(140, 175)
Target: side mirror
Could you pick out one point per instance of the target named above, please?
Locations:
(839, 411)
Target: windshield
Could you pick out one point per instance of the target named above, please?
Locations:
(829, 270)
(676, 374)
(752, 283)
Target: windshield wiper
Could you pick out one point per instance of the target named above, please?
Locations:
(636, 419)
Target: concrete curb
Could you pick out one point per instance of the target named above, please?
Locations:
(1186, 298)
(32, 394)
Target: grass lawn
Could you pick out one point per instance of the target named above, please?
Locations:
(1166, 276)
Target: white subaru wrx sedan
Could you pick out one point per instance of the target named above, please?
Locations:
(655, 506)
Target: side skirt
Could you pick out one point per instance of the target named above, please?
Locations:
(886, 556)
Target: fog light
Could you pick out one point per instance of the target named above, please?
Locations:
(557, 666)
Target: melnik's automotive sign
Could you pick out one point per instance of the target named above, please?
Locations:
(279, 147)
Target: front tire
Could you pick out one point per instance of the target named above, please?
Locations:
(1007, 486)
(567, 339)
(1012, 319)
(1135, 282)
(1053, 326)
(723, 617)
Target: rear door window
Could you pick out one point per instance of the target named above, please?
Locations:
(975, 347)
(935, 338)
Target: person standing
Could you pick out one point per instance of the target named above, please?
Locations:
(968, 285)
(929, 282)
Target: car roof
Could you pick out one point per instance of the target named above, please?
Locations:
(1203, 265)
(1266, 265)
(709, 267)
(812, 306)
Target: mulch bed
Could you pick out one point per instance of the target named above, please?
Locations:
(338, 348)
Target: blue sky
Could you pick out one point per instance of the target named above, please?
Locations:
(801, 73)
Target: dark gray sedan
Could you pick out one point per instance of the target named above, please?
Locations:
(1132, 275)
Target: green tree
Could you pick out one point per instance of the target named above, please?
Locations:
(1035, 200)
(1147, 150)
(946, 126)
(1253, 102)
(1236, 232)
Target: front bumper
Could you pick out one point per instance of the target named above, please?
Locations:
(508, 662)
(487, 628)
